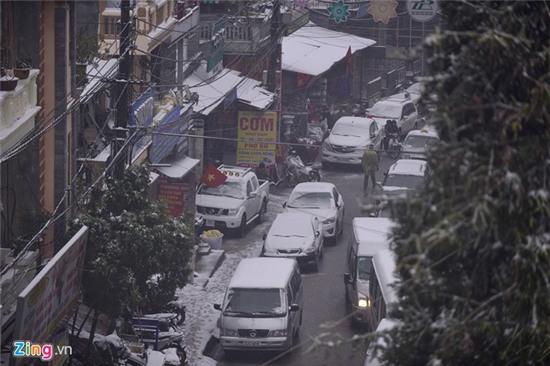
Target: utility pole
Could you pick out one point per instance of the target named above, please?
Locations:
(122, 89)
(275, 35)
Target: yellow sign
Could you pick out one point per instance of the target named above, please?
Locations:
(255, 131)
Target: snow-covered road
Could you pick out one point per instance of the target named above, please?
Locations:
(201, 317)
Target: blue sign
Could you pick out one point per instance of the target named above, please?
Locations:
(164, 145)
(141, 111)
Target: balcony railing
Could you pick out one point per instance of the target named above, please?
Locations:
(17, 110)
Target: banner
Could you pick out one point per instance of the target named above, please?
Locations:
(51, 296)
(256, 126)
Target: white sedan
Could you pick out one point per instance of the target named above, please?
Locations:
(321, 200)
(295, 235)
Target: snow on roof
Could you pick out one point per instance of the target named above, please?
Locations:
(262, 273)
(313, 50)
(314, 187)
(95, 72)
(372, 234)
(213, 89)
(408, 167)
(179, 168)
(353, 120)
(250, 92)
(384, 267)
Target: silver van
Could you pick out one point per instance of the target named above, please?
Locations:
(263, 305)
(370, 235)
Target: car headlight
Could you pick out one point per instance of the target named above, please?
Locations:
(363, 302)
(327, 147)
(330, 220)
(310, 250)
(278, 333)
(229, 332)
(232, 212)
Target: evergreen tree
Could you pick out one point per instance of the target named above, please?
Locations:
(137, 256)
(473, 250)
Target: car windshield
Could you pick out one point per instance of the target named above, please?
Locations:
(255, 302)
(420, 141)
(364, 268)
(310, 200)
(405, 181)
(228, 189)
(386, 109)
(356, 130)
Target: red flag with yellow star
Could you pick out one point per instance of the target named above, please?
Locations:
(212, 177)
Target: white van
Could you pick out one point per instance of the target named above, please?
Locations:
(370, 235)
(263, 305)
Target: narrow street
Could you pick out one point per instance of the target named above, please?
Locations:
(324, 308)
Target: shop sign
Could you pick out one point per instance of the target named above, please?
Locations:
(174, 193)
(51, 296)
(254, 132)
(422, 10)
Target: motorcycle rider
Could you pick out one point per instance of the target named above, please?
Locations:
(390, 131)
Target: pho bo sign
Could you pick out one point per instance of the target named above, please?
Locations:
(422, 10)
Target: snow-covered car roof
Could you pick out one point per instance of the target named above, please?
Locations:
(314, 187)
(415, 88)
(384, 266)
(400, 98)
(372, 233)
(427, 132)
(408, 167)
(353, 120)
(262, 273)
(293, 223)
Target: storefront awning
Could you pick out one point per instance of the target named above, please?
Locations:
(179, 168)
(313, 50)
(213, 89)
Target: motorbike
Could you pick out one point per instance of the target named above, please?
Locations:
(394, 147)
(297, 172)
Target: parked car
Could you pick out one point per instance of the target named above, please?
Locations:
(399, 107)
(236, 203)
(263, 305)
(321, 200)
(405, 175)
(297, 235)
(369, 235)
(348, 140)
(418, 142)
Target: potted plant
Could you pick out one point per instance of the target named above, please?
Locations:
(22, 70)
(8, 82)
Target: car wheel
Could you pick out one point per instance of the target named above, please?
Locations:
(263, 210)
(242, 228)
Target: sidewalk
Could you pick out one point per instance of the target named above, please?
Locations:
(206, 265)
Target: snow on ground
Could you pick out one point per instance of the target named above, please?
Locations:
(201, 317)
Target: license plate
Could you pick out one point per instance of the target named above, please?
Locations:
(210, 222)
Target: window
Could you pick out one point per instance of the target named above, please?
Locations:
(296, 283)
(408, 109)
(335, 194)
(255, 184)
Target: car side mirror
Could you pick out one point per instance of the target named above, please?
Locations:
(347, 278)
(284, 204)
(253, 194)
(218, 306)
(294, 307)
(317, 234)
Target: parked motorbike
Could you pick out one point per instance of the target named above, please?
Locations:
(298, 172)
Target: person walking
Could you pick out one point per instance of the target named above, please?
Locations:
(370, 167)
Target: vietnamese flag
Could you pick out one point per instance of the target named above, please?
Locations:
(212, 177)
